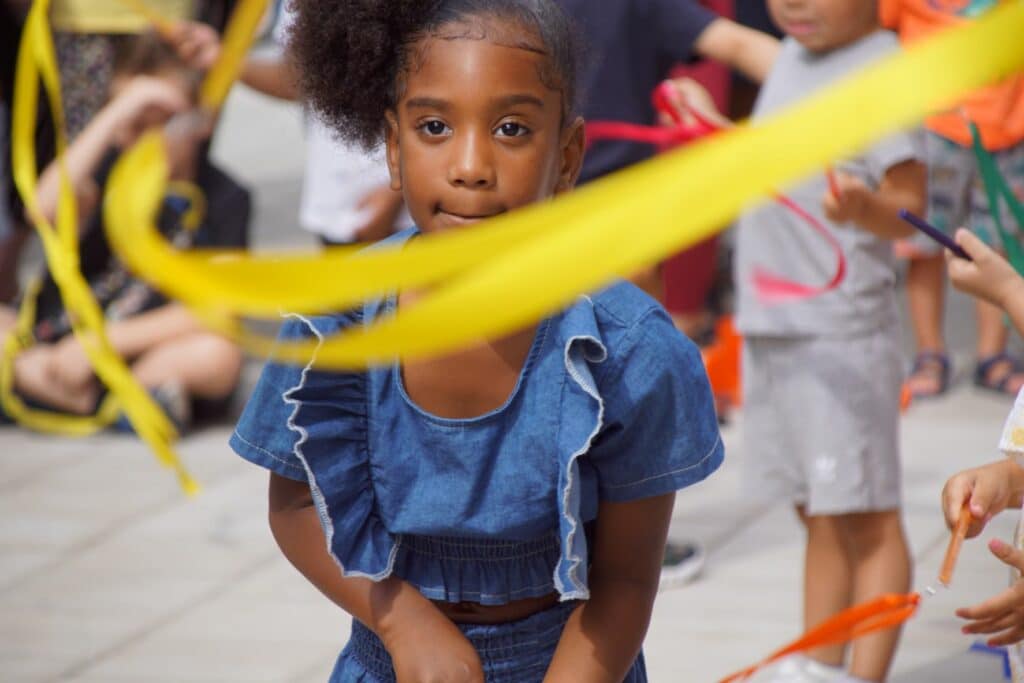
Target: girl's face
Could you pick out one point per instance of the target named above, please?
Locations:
(476, 132)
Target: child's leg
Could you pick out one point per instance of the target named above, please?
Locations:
(828, 579)
(204, 364)
(926, 299)
(880, 563)
(34, 380)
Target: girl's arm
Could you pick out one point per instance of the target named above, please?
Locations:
(423, 643)
(603, 636)
(903, 187)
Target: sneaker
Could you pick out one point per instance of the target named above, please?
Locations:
(798, 669)
(681, 564)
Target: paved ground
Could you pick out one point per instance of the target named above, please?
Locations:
(107, 574)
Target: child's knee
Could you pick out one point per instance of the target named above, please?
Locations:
(868, 531)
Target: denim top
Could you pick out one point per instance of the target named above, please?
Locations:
(612, 404)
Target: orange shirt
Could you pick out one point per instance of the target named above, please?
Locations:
(998, 110)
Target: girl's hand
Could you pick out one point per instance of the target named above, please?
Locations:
(431, 649)
(1004, 613)
(989, 276)
(196, 43)
(989, 489)
(850, 205)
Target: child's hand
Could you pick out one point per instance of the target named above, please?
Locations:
(433, 652)
(148, 100)
(196, 43)
(989, 276)
(851, 204)
(989, 489)
(1004, 613)
(687, 95)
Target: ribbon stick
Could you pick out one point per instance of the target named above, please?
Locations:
(882, 613)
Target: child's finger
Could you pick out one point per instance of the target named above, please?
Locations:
(992, 608)
(994, 625)
(970, 243)
(1014, 635)
(1007, 553)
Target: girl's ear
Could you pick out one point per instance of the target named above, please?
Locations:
(573, 147)
(393, 155)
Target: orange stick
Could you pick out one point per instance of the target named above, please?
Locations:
(955, 542)
(833, 184)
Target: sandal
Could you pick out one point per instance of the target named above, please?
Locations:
(1000, 382)
(925, 364)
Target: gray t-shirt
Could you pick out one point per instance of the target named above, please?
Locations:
(773, 238)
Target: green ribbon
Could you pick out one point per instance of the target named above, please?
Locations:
(996, 187)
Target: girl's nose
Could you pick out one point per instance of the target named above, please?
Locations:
(472, 165)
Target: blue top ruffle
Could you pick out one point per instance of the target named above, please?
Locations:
(612, 404)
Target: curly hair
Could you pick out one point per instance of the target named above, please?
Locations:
(351, 55)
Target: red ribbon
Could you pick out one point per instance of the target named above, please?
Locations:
(770, 288)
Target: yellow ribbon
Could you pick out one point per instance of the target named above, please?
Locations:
(517, 268)
(37, 60)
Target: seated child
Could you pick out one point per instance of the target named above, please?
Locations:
(188, 369)
(497, 513)
(994, 487)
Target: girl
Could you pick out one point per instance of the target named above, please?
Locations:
(499, 513)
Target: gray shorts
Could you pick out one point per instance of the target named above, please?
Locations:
(821, 422)
(956, 195)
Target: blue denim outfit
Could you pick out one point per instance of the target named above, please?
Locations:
(612, 404)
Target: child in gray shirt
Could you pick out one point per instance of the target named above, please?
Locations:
(822, 375)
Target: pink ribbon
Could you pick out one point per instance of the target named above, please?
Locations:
(769, 287)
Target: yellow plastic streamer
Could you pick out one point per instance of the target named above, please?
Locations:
(519, 267)
(37, 60)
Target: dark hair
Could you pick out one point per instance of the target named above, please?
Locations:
(351, 54)
(147, 54)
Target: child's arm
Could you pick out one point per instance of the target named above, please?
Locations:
(990, 489)
(903, 187)
(1002, 614)
(603, 636)
(987, 276)
(143, 95)
(423, 643)
(745, 49)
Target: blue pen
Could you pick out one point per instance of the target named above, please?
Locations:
(936, 234)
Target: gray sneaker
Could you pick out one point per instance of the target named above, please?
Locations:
(681, 564)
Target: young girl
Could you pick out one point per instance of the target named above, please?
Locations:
(499, 513)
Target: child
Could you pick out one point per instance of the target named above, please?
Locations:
(956, 196)
(190, 371)
(992, 488)
(822, 375)
(498, 513)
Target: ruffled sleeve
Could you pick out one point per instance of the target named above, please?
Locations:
(660, 429)
(321, 434)
(262, 435)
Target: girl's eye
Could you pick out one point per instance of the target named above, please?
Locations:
(434, 128)
(512, 130)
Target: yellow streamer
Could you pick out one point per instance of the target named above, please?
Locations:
(37, 60)
(515, 269)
